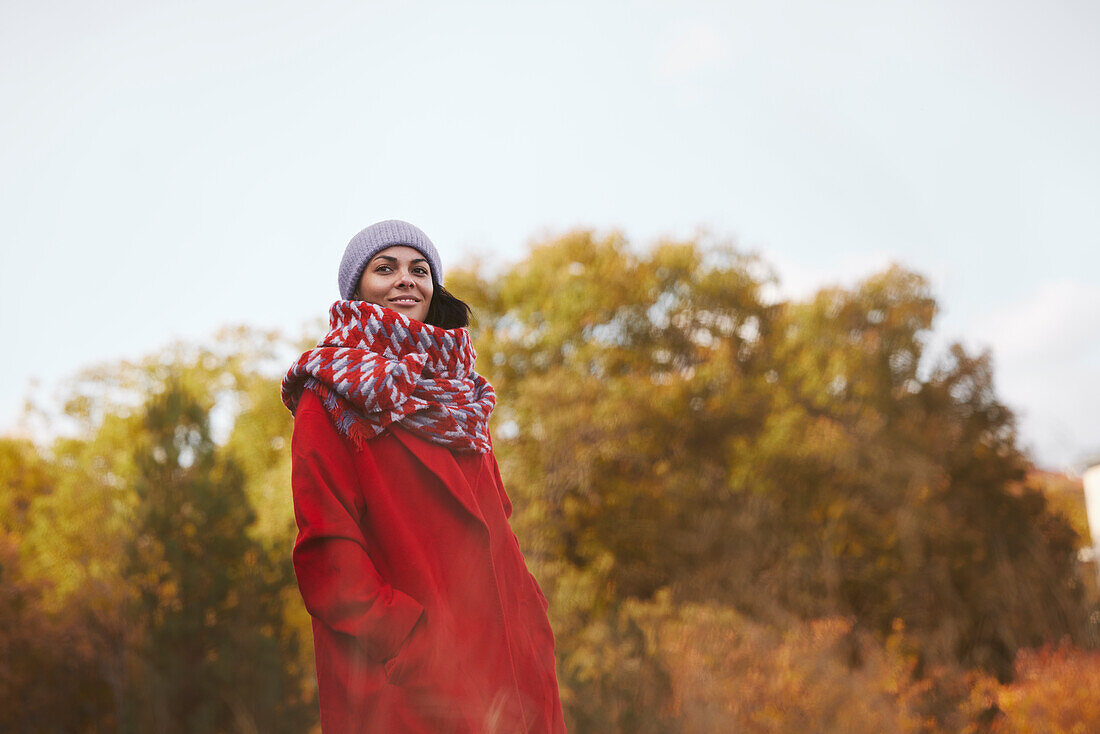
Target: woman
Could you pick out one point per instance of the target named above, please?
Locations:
(425, 617)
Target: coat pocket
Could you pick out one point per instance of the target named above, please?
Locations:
(410, 656)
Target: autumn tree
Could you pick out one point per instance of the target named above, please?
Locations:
(667, 422)
(207, 596)
(44, 649)
(144, 540)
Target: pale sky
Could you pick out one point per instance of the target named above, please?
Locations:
(167, 168)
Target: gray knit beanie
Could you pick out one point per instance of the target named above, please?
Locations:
(376, 238)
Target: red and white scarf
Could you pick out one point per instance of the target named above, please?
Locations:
(377, 366)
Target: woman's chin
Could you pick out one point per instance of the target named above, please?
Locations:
(412, 310)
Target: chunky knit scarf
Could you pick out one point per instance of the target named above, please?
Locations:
(377, 366)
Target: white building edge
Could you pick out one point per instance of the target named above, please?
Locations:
(1091, 479)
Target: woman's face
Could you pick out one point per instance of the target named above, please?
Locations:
(399, 278)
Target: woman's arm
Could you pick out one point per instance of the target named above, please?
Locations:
(339, 584)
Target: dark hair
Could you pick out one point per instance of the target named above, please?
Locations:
(446, 311)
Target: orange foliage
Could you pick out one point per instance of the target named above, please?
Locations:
(730, 674)
(1057, 691)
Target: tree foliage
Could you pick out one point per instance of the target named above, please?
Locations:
(789, 459)
(207, 595)
(745, 509)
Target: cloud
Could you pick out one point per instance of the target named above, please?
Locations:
(1046, 353)
(800, 280)
(695, 47)
(1059, 320)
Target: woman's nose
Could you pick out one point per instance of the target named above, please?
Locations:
(405, 278)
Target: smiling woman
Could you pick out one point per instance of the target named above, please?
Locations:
(393, 264)
(425, 617)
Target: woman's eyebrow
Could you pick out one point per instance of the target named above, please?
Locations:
(392, 259)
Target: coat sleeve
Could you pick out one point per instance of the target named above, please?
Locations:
(339, 584)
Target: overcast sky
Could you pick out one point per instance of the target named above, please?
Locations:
(167, 168)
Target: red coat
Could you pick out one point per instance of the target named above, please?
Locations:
(425, 617)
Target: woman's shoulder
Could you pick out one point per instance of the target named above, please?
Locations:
(310, 415)
(313, 422)
(308, 401)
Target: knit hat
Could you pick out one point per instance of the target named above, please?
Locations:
(376, 238)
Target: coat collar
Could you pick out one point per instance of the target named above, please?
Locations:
(441, 462)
